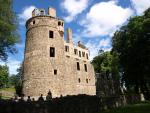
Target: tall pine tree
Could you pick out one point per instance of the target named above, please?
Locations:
(8, 29)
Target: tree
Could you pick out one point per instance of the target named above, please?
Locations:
(3, 76)
(13, 80)
(102, 62)
(18, 85)
(131, 44)
(8, 29)
(107, 63)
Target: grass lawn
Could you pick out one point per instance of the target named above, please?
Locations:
(7, 93)
(8, 89)
(136, 108)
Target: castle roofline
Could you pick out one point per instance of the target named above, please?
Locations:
(29, 20)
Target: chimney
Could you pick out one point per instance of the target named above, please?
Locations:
(69, 35)
(52, 12)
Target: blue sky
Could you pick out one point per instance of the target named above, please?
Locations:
(93, 22)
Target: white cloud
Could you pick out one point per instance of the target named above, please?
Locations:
(13, 65)
(104, 18)
(140, 5)
(104, 44)
(73, 8)
(26, 14)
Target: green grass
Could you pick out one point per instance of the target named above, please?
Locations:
(5, 98)
(8, 89)
(136, 108)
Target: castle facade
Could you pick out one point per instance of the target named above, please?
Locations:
(51, 63)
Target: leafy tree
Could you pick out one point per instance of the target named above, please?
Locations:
(18, 85)
(3, 76)
(107, 63)
(16, 81)
(13, 80)
(132, 46)
(8, 29)
(102, 62)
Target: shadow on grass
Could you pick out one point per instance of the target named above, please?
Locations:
(143, 107)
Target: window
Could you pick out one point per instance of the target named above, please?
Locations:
(78, 66)
(51, 34)
(85, 67)
(55, 72)
(87, 56)
(59, 23)
(79, 80)
(62, 24)
(34, 22)
(42, 12)
(79, 53)
(75, 51)
(52, 52)
(87, 81)
(67, 48)
(83, 54)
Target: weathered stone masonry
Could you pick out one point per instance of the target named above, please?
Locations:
(52, 64)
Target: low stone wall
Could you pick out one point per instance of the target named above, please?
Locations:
(68, 104)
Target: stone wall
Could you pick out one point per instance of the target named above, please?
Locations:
(68, 104)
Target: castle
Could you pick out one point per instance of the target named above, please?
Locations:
(50, 63)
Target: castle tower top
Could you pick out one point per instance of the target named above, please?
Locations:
(38, 12)
(52, 12)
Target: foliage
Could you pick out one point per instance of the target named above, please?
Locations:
(106, 63)
(132, 46)
(18, 85)
(8, 29)
(102, 62)
(13, 80)
(16, 81)
(3, 76)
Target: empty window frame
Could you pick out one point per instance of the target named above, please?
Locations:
(34, 22)
(62, 24)
(42, 12)
(55, 72)
(75, 51)
(78, 66)
(59, 23)
(85, 67)
(52, 52)
(51, 34)
(79, 80)
(67, 48)
(83, 54)
(79, 53)
(87, 56)
(87, 81)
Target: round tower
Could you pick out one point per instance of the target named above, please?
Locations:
(44, 54)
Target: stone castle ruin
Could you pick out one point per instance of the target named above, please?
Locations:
(50, 63)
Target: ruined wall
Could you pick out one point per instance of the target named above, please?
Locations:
(78, 81)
